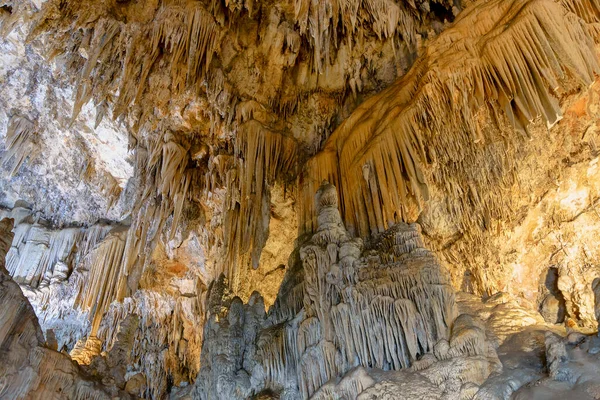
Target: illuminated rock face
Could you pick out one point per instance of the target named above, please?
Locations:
(160, 160)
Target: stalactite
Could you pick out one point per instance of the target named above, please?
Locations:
(512, 58)
(20, 143)
(121, 56)
(99, 288)
(263, 156)
(166, 178)
(320, 22)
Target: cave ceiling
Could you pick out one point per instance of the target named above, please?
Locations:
(173, 167)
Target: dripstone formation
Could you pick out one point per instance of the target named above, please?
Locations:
(300, 199)
(344, 311)
(29, 367)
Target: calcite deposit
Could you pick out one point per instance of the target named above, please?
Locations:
(294, 199)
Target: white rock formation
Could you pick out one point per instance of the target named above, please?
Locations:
(344, 312)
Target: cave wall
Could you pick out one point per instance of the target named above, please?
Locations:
(70, 170)
(161, 162)
(548, 217)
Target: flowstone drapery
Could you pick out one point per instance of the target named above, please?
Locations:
(28, 367)
(512, 58)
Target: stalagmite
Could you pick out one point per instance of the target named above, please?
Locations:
(395, 291)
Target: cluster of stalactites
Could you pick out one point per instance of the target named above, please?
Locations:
(98, 288)
(116, 51)
(320, 22)
(262, 157)
(121, 52)
(119, 56)
(29, 368)
(165, 179)
(507, 57)
(152, 320)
